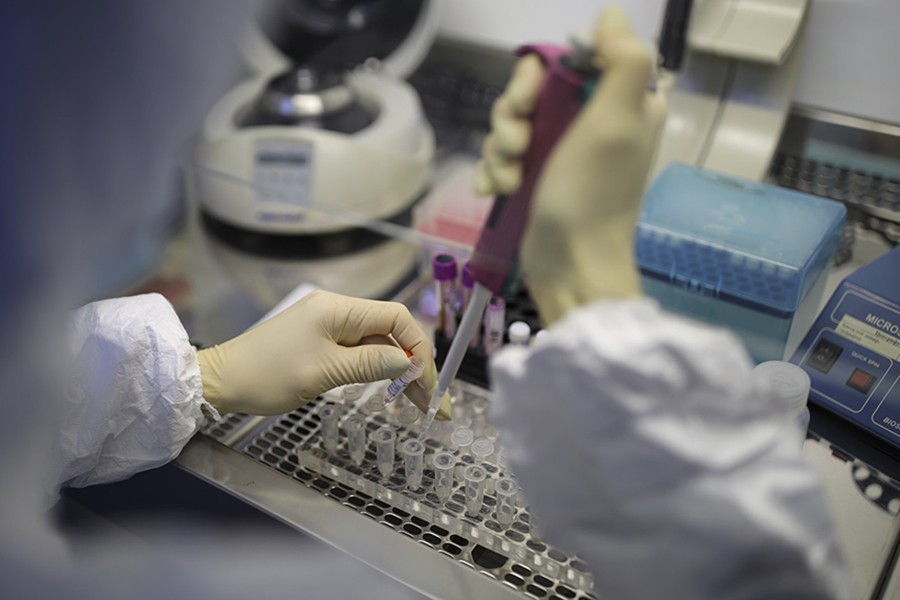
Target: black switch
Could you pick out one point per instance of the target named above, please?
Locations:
(824, 356)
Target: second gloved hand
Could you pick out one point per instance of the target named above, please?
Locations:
(579, 243)
(323, 341)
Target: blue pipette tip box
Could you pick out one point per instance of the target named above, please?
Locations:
(744, 255)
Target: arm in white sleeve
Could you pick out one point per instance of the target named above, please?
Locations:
(641, 444)
(136, 396)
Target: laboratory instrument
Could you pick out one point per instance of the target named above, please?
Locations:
(329, 414)
(519, 333)
(444, 269)
(384, 438)
(474, 476)
(494, 324)
(506, 490)
(852, 351)
(398, 386)
(559, 100)
(748, 256)
(326, 125)
(789, 386)
(355, 426)
(444, 464)
(413, 456)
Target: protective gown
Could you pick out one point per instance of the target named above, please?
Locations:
(637, 436)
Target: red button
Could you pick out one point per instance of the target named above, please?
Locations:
(860, 380)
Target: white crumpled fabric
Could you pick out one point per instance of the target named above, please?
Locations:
(136, 397)
(641, 443)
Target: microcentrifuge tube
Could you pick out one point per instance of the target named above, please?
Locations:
(445, 271)
(481, 449)
(329, 415)
(506, 490)
(413, 372)
(461, 438)
(376, 402)
(384, 438)
(351, 393)
(474, 476)
(413, 453)
(444, 463)
(494, 318)
(355, 426)
(408, 415)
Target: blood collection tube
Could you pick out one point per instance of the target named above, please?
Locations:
(443, 463)
(355, 426)
(329, 415)
(468, 284)
(445, 271)
(384, 438)
(399, 385)
(494, 323)
(413, 453)
(474, 476)
(506, 490)
(519, 333)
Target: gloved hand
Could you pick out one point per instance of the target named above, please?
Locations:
(323, 341)
(579, 243)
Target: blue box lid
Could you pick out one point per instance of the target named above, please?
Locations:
(738, 240)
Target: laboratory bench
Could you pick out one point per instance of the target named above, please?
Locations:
(220, 479)
(230, 472)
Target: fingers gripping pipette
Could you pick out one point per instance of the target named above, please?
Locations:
(560, 98)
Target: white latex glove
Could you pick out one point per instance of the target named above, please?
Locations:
(579, 243)
(323, 341)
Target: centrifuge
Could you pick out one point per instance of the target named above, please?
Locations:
(325, 136)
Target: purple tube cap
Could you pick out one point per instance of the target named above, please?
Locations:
(444, 266)
(466, 278)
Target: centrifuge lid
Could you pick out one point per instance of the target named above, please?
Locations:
(264, 58)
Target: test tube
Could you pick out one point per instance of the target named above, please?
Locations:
(474, 476)
(408, 415)
(460, 440)
(384, 438)
(399, 385)
(329, 415)
(481, 449)
(468, 284)
(351, 393)
(445, 271)
(494, 322)
(376, 402)
(355, 426)
(413, 452)
(443, 462)
(506, 490)
(519, 333)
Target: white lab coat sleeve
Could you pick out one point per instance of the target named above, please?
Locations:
(641, 444)
(136, 396)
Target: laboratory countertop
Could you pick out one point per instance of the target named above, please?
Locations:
(219, 291)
